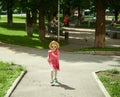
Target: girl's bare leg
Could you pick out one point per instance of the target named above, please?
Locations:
(55, 79)
(55, 74)
(52, 75)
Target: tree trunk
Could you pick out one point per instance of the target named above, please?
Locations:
(79, 16)
(116, 15)
(34, 16)
(9, 16)
(41, 24)
(34, 20)
(29, 24)
(9, 12)
(100, 25)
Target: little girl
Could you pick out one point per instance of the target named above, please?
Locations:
(53, 59)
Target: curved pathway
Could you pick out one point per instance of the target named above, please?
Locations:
(75, 76)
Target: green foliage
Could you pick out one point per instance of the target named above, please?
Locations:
(113, 71)
(8, 73)
(115, 4)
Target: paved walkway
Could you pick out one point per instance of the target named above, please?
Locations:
(75, 77)
(81, 38)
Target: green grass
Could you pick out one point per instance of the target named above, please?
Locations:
(111, 80)
(17, 34)
(118, 26)
(8, 73)
(20, 19)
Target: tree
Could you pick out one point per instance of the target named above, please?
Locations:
(80, 5)
(115, 5)
(30, 7)
(75, 4)
(41, 22)
(100, 24)
(0, 8)
(8, 5)
(43, 7)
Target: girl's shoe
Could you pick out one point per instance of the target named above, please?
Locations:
(55, 80)
(52, 81)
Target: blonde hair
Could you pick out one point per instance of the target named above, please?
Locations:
(54, 42)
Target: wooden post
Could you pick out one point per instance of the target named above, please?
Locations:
(58, 34)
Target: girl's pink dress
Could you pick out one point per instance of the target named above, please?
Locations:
(54, 60)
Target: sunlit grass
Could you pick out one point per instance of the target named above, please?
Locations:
(8, 73)
(16, 34)
(111, 80)
(16, 18)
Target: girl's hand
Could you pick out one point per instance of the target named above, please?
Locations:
(54, 54)
(48, 60)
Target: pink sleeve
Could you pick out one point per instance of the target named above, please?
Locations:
(58, 53)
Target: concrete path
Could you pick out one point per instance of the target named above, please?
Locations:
(84, 38)
(75, 76)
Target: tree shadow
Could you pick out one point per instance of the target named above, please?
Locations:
(24, 41)
(20, 17)
(65, 57)
(64, 86)
(15, 26)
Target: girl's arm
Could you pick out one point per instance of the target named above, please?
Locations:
(48, 57)
(56, 54)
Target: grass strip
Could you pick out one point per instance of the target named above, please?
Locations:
(111, 81)
(8, 73)
(17, 35)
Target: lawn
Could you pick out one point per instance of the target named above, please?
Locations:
(111, 80)
(17, 34)
(8, 73)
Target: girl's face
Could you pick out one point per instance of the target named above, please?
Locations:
(53, 47)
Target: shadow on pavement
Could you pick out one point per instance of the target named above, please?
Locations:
(66, 87)
(66, 57)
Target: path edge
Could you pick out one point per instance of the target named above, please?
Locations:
(15, 83)
(101, 86)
